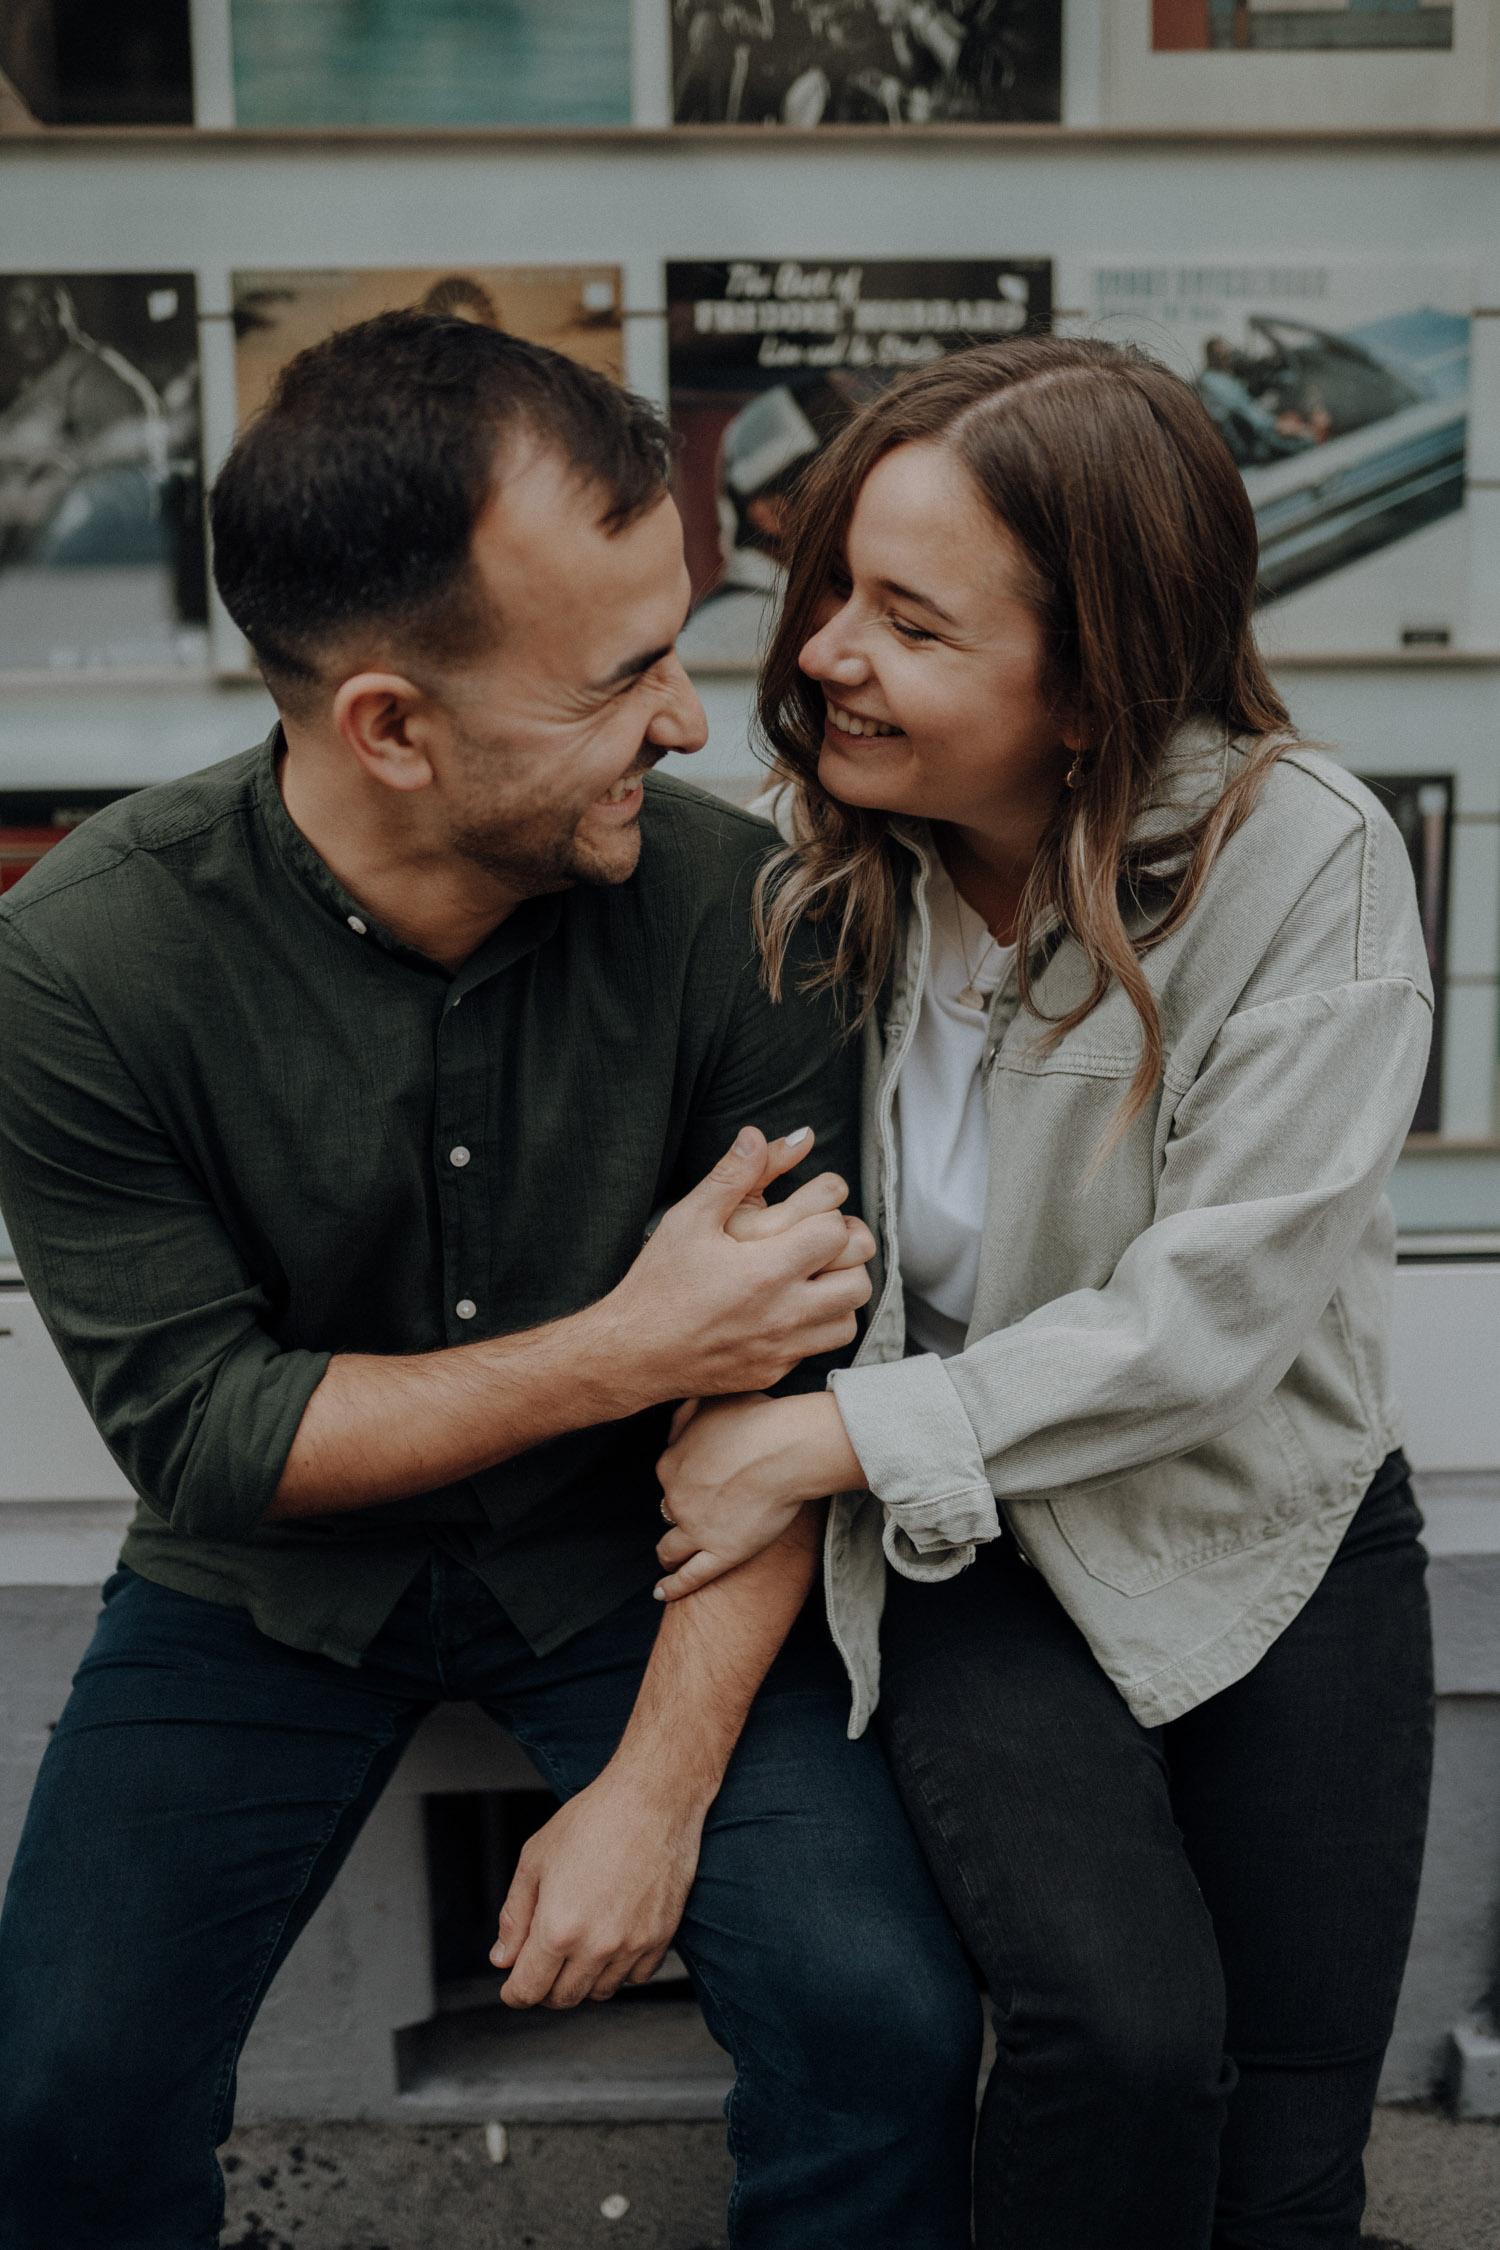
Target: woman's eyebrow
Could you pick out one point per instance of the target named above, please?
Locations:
(909, 594)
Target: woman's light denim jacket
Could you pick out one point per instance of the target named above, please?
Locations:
(1174, 1388)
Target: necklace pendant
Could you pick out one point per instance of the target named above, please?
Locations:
(972, 997)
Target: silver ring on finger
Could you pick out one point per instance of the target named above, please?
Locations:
(667, 1515)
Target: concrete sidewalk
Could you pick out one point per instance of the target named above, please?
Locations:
(1434, 2185)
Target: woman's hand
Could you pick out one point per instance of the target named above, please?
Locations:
(755, 1220)
(735, 1474)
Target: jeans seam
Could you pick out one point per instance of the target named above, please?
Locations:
(235, 2045)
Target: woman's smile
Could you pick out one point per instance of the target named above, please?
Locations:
(845, 721)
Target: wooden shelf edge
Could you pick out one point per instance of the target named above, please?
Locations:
(1339, 139)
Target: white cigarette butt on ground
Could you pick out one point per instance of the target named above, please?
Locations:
(614, 2207)
(497, 2143)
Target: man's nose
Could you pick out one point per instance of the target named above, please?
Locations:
(681, 724)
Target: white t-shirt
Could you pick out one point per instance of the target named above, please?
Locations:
(941, 1125)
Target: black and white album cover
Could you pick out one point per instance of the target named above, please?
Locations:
(865, 62)
(101, 487)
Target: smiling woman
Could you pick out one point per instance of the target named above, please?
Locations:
(996, 535)
(1125, 1541)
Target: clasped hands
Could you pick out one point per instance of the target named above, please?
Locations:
(737, 1469)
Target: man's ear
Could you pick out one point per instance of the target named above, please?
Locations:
(386, 723)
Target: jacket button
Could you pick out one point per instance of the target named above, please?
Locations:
(466, 1308)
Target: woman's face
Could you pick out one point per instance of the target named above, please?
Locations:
(930, 657)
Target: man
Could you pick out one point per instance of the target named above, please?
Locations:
(339, 1086)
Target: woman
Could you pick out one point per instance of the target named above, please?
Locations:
(1148, 1013)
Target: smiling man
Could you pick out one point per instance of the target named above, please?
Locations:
(339, 1085)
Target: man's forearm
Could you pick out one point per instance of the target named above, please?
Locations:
(698, 1313)
(379, 1429)
(711, 1654)
(600, 1890)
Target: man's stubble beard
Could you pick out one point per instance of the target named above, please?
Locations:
(536, 848)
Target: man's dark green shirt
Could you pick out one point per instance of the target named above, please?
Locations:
(242, 1128)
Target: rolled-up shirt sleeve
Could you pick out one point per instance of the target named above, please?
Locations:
(134, 1271)
(1279, 1152)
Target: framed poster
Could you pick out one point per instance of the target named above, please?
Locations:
(89, 62)
(1342, 392)
(1421, 804)
(574, 309)
(865, 62)
(102, 561)
(431, 62)
(1309, 64)
(767, 359)
(1349, 26)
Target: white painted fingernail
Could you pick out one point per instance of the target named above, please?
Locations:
(657, 1595)
(793, 1140)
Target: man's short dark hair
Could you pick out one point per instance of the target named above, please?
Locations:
(351, 498)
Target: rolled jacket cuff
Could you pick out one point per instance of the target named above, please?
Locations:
(921, 1458)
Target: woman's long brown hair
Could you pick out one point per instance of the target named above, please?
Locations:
(1110, 473)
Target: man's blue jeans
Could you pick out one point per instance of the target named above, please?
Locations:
(204, 1785)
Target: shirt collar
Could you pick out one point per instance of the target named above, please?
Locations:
(534, 921)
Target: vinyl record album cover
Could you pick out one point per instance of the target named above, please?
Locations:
(1294, 25)
(865, 62)
(431, 62)
(1421, 805)
(101, 489)
(574, 309)
(767, 359)
(93, 62)
(1342, 392)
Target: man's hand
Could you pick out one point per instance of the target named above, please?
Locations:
(599, 1892)
(718, 1301)
(728, 1295)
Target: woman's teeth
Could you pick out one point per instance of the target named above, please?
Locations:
(847, 723)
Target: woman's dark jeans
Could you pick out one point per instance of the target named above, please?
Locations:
(1193, 1934)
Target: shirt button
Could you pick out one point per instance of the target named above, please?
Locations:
(458, 1156)
(466, 1308)
(360, 929)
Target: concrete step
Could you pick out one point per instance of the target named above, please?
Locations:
(1434, 2185)
(645, 2057)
